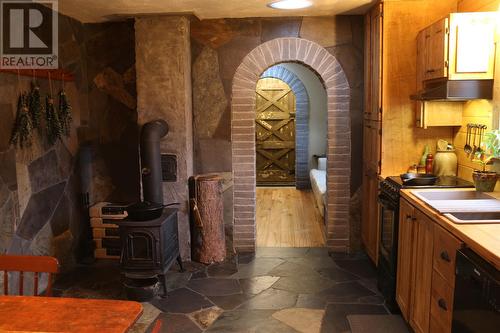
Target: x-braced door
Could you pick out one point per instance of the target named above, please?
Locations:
(275, 133)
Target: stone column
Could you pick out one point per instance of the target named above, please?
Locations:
(163, 65)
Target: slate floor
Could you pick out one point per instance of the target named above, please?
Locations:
(276, 290)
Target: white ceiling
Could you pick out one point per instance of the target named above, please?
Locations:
(103, 10)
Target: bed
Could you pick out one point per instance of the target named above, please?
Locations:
(318, 184)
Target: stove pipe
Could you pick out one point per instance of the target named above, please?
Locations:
(151, 173)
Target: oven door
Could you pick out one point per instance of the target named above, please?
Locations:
(389, 217)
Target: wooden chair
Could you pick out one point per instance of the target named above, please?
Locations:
(157, 326)
(22, 264)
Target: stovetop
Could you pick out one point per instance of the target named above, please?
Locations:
(442, 182)
(390, 186)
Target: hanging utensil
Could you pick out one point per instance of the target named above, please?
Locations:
(467, 147)
(481, 133)
(474, 147)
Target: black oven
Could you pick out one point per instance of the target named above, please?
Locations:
(389, 222)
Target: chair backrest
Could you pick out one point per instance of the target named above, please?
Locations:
(157, 326)
(34, 264)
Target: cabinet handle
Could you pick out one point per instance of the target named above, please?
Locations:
(442, 304)
(431, 70)
(445, 256)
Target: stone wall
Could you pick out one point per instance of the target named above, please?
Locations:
(40, 189)
(164, 92)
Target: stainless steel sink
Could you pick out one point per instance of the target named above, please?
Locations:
(463, 206)
(475, 217)
(452, 195)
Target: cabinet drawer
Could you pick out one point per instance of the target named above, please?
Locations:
(441, 303)
(445, 249)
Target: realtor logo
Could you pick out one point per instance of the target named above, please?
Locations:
(29, 35)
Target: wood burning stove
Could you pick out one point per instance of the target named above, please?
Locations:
(151, 245)
(149, 248)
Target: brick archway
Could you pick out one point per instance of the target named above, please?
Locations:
(301, 122)
(337, 88)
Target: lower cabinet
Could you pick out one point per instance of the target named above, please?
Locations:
(422, 272)
(404, 277)
(425, 274)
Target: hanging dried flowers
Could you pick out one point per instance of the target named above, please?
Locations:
(35, 105)
(22, 130)
(52, 121)
(64, 113)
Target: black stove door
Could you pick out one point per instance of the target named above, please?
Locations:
(389, 215)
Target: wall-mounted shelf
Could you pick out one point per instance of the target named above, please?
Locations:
(55, 74)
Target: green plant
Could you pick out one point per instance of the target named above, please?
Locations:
(492, 143)
(491, 149)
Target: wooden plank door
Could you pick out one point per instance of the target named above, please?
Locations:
(275, 133)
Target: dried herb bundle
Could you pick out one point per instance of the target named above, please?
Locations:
(22, 130)
(54, 131)
(64, 113)
(35, 106)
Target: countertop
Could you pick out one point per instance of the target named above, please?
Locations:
(484, 239)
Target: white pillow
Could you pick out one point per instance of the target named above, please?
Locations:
(322, 163)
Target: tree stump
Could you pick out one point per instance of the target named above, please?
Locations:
(207, 231)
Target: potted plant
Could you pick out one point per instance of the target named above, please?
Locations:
(484, 180)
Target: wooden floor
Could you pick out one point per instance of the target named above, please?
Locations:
(287, 217)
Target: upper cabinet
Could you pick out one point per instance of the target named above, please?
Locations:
(458, 47)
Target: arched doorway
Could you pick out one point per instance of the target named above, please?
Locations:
(301, 119)
(338, 142)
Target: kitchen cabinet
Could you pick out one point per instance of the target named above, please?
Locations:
(372, 131)
(426, 271)
(422, 272)
(404, 277)
(460, 46)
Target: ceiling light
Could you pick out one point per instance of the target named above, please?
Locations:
(290, 4)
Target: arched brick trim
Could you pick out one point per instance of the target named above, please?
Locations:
(301, 122)
(243, 136)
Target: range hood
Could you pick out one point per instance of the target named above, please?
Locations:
(455, 90)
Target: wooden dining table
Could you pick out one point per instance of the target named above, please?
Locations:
(60, 314)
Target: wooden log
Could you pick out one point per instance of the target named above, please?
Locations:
(208, 238)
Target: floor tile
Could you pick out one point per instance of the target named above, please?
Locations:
(311, 301)
(303, 320)
(215, 286)
(245, 258)
(258, 267)
(363, 268)
(222, 269)
(246, 321)
(335, 318)
(293, 269)
(177, 323)
(303, 284)
(271, 299)
(346, 292)
(257, 284)
(182, 300)
(176, 280)
(206, 317)
(314, 262)
(337, 274)
(230, 302)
